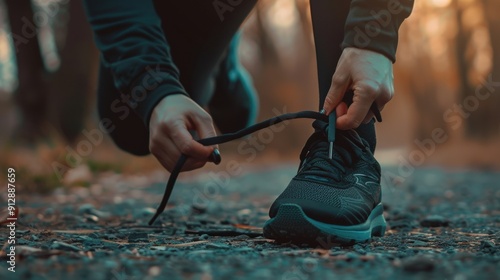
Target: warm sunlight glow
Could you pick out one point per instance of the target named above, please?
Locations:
(433, 25)
(440, 3)
(4, 47)
(7, 77)
(283, 13)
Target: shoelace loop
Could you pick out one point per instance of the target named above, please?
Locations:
(315, 160)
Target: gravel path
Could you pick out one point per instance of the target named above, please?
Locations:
(442, 225)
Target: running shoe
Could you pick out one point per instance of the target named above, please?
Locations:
(330, 200)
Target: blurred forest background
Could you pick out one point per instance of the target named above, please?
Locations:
(448, 58)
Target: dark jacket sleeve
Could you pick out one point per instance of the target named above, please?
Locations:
(129, 36)
(374, 25)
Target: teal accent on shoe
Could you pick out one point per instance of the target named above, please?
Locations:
(292, 224)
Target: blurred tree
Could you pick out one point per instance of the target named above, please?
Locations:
(282, 75)
(482, 123)
(491, 8)
(31, 95)
(60, 98)
(72, 83)
(422, 84)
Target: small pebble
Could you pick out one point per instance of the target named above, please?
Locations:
(58, 245)
(144, 212)
(434, 221)
(91, 218)
(86, 208)
(154, 271)
(110, 264)
(111, 236)
(309, 265)
(49, 211)
(486, 244)
(241, 237)
(337, 253)
(359, 249)
(451, 250)
(204, 237)
(91, 242)
(22, 241)
(418, 263)
(352, 255)
(418, 243)
(138, 237)
(90, 209)
(199, 209)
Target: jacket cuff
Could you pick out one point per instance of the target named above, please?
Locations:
(384, 44)
(374, 25)
(149, 89)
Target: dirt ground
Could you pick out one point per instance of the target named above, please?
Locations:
(442, 225)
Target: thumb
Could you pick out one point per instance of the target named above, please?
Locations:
(340, 83)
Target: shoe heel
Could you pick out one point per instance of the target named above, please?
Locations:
(379, 226)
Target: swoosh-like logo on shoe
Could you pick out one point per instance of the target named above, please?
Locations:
(358, 207)
(358, 177)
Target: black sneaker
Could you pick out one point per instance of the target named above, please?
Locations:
(330, 200)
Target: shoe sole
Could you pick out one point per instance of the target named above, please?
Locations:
(291, 224)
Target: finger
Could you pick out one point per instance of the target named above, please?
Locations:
(158, 146)
(168, 155)
(357, 112)
(341, 109)
(205, 129)
(340, 83)
(192, 164)
(185, 143)
(204, 126)
(160, 150)
(368, 117)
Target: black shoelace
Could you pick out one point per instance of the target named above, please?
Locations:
(315, 161)
(224, 138)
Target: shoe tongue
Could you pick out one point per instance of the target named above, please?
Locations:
(345, 138)
(348, 144)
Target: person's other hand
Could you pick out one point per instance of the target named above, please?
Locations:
(369, 75)
(169, 135)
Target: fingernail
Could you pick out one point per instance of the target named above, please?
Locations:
(323, 111)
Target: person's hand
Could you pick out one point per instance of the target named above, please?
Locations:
(169, 135)
(369, 75)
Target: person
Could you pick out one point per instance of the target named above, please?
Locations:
(162, 62)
